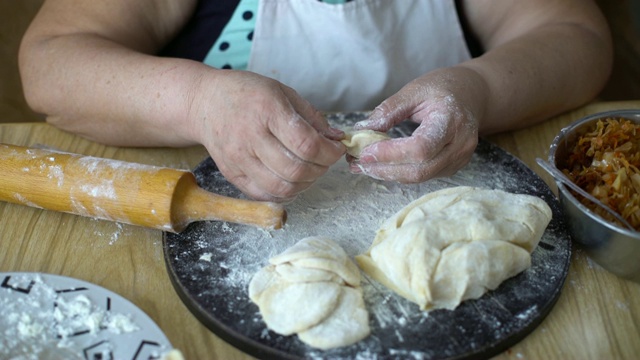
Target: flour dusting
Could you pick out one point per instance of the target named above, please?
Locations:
(44, 322)
(349, 209)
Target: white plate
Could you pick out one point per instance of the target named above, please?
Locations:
(44, 316)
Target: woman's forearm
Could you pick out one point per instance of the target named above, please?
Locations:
(103, 91)
(85, 66)
(542, 58)
(541, 74)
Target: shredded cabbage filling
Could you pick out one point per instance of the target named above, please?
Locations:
(605, 162)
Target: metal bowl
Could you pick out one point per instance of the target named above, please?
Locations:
(613, 247)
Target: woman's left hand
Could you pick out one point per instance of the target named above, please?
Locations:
(447, 104)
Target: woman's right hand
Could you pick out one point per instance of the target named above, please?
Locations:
(265, 139)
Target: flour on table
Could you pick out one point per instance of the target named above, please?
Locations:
(206, 257)
(349, 209)
(44, 322)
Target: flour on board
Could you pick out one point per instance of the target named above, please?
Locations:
(349, 209)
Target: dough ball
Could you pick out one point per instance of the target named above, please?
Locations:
(357, 140)
(312, 289)
(456, 244)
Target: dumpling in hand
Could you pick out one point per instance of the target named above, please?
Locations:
(357, 140)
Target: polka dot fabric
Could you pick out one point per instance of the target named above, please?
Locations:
(233, 47)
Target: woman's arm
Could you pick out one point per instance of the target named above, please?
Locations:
(89, 66)
(542, 58)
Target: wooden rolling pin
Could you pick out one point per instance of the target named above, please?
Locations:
(149, 196)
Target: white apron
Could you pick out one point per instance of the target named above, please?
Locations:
(352, 56)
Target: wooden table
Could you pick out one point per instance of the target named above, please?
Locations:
(596, 317)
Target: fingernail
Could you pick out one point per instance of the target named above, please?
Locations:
(368, 158)
(340, 146)
(355, 168)
(334, 134)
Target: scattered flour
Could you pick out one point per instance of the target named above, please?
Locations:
(532, 311)
(42, 324)
(349, 209)
(206, 257)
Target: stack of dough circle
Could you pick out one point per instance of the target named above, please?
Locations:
(313, 290)
(456, 244)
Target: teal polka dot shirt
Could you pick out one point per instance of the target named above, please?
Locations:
(233, 47)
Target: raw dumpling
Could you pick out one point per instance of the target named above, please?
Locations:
(456, 244)
(357, 140)
(312, 289)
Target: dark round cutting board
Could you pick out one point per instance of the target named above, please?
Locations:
(211, 264)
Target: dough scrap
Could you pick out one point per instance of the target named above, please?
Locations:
(173, 354)
(312, 289)
(456, 244)
(357, 140)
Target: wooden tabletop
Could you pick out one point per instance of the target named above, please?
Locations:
(596, 317)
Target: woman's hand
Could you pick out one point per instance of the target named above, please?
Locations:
(264, 137)
(447, 104)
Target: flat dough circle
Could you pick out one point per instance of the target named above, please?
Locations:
(348, 324)
(289, 308)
